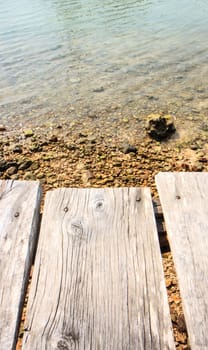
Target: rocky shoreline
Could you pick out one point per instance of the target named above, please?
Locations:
(87, 154)
(78, 156)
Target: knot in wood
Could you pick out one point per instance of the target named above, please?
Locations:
(62, 345)
(67, 342)
(99, 204)
(77, 228)
(138, 195)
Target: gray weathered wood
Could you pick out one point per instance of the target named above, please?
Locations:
(19, 212)
(98, 280)
(184, 199)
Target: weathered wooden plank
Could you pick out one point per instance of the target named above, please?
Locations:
(98, 280)
(19, 212)
(184, 201)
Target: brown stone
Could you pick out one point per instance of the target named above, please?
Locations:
(160, 126)
(181, 323)
(2, 128)
(11, 171)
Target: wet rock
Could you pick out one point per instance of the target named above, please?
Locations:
(28, 133)
(25, 164)
(204, 126)
(92, 139)
(53, 138)
(48, 156)
(3, 165)
(179, 77)
(11, 171)
(17, 149)
(152, 98)
(81, 140)
(2, 128)
(160, 126)
(203, 158)
(29, 176)
(43, 143)
(71, 147)
(98, 89)
(82, 134)
(127, 148)
(194, 147)
(92, 115)
(200, 90)
(35, 166)
(36, 148)
(12, 163)
(40, 176)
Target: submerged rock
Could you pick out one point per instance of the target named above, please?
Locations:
(28, 133)
(2, 128)
(17, 149)
(98, 89)
(53, 138)
(127, 148)
(204, 126)
(160, 126)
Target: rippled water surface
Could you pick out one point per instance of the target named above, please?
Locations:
(85, 56)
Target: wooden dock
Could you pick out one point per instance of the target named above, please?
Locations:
(98, 280)
(184, 199)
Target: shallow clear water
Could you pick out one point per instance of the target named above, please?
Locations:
(84, 56)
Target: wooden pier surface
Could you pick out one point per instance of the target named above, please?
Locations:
(19, 220)
(99, 262)
(184, 199)
(98, 281)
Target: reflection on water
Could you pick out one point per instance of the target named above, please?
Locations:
(87, 55)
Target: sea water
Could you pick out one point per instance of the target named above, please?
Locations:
(80, 57)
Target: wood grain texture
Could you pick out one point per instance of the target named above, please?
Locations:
(184, 201)
(98, 280)
(19, 213)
